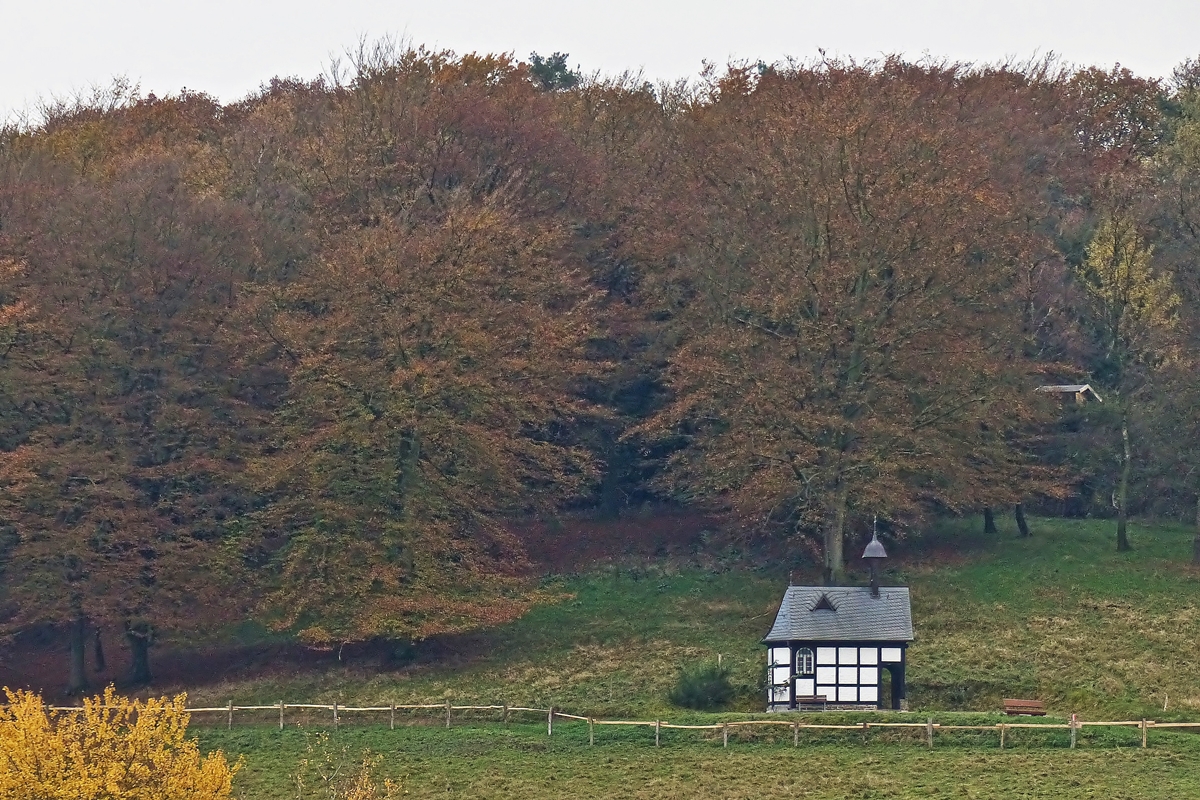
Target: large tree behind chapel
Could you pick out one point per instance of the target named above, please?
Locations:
(844, 240)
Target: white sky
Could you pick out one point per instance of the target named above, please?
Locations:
(229, 47)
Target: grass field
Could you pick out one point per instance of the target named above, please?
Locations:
(1060, 617)
(522, 762)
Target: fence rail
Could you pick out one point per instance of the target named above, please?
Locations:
(930, 727)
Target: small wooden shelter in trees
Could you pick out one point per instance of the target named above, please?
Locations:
(833, 646)
(1079, 392)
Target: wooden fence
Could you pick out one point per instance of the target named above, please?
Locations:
(445, 711)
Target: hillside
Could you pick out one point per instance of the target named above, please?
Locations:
(1058, 616)
(304, 359)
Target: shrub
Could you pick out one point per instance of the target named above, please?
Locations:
(329, 773)
(113, 748)
(703, 687)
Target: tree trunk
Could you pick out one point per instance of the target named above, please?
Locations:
(989, 521)
(1123, 486)
(835, 568)
(1022, 525)
(617, 457)
(99, 653)
(77, 682)
(139, 637)
(1196, 539)
(408, 458)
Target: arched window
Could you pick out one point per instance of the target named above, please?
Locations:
(805, 664)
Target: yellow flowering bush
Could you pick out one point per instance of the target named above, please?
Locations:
(113, 748)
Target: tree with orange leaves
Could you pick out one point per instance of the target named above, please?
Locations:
(836, 262)
(113, 388)
(429, 347)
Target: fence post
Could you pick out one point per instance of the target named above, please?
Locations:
(506, 715)
(392, 718)
(550, 722)
(929, 732)
(447, 713)
(795, 733)
(335, 716)
(591, 733)
(725, 735)
(280, 715)
(229, 724)
(864, 731)
(657, 723)
(1003, 728)
(1143, 733)
(1074, 726)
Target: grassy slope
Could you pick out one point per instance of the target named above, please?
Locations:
(1061, 617)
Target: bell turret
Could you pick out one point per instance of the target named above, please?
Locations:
(873, 554)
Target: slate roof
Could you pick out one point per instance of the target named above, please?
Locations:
(856, 615)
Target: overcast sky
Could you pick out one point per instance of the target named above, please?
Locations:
(229, 47)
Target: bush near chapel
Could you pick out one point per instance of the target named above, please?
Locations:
(113, 748)
(703, 687)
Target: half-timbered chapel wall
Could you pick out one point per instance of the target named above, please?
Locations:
(846, 672)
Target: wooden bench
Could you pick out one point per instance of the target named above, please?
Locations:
(811, 702)
(1029, 708)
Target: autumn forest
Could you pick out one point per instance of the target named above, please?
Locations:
(312, 358)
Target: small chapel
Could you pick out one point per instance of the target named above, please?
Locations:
(840, 647)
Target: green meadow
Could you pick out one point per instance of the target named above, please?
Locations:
(1060, 617)
(520, 761)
